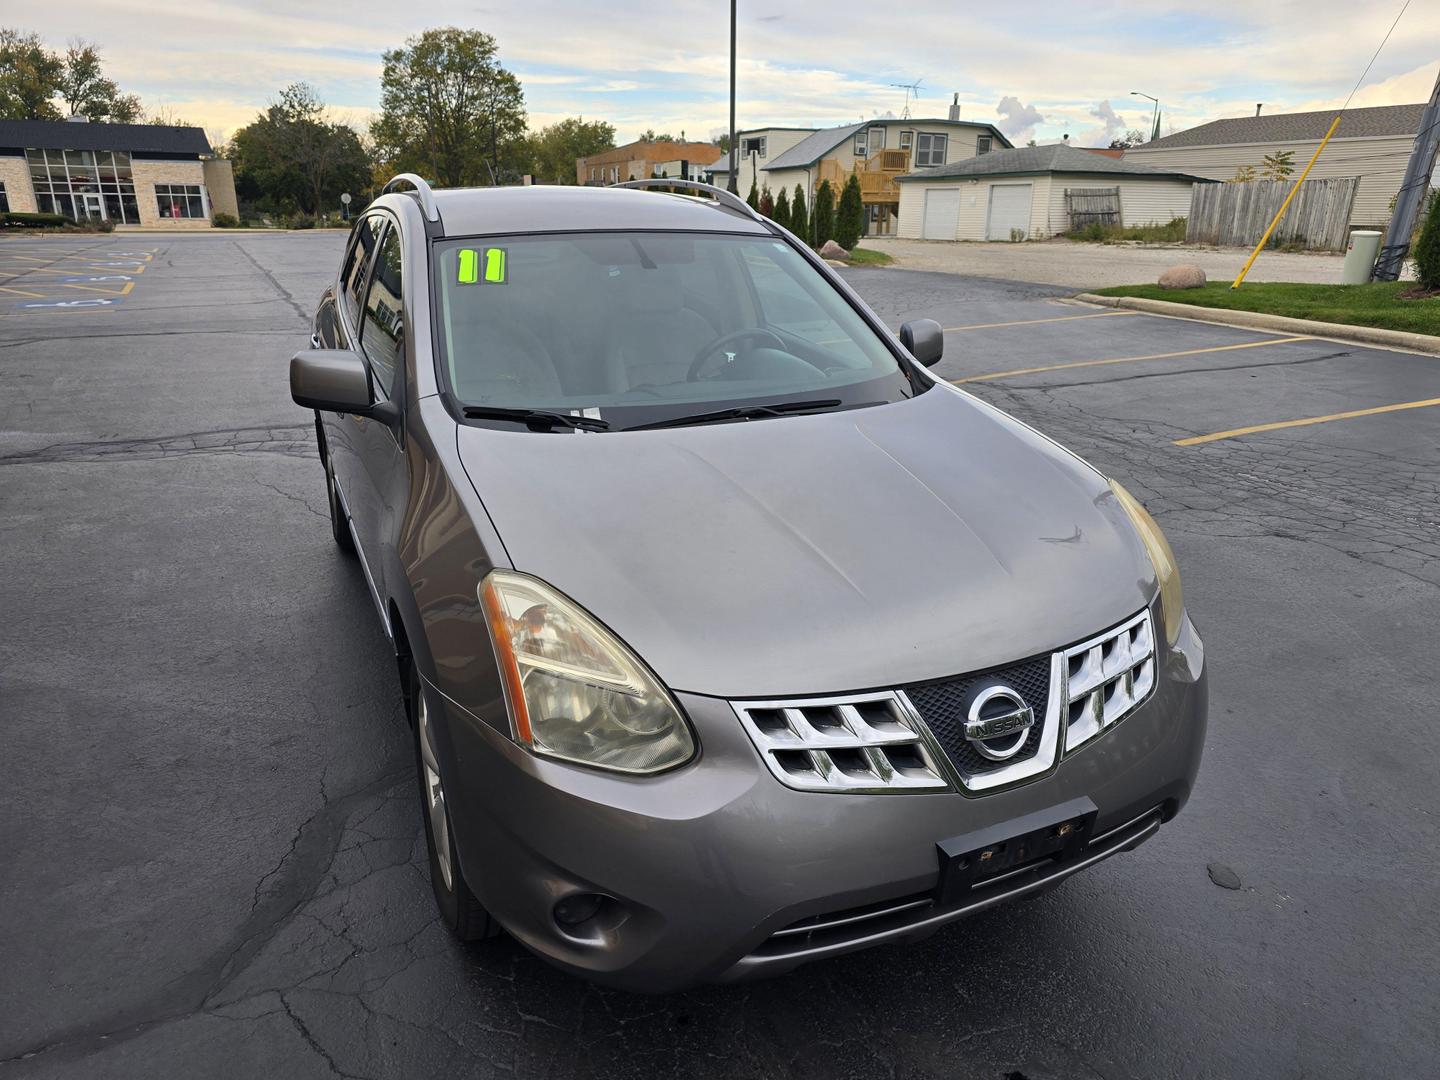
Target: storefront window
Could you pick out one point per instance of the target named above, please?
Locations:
(179, 201)
(63, 179)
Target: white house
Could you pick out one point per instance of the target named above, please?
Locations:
(1373, 144)
(1022, 193)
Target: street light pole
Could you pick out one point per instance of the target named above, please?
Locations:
(734, 187)
(1155, 118)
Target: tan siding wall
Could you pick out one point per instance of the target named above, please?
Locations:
(220, 184)
(1142, 202)
(776, 143)
(150, 173)
(1380, 164)
(15, 175)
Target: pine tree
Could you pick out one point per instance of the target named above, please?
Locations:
(782, 209)
(799, 222)
(767, 202)
(850, 220)
(824, 224)
(1427, 247)
(754, 197)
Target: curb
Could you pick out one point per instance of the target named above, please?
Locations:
(1256, 320)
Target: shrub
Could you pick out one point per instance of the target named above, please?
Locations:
(300, 221)
(823, 224)
(767, 202)
(799, 221)
(21, 220)
(1427, 248)
(222, 220)
(782, 210)
(754, 197)
(850, 219)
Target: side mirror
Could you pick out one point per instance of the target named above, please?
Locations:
(924, 340)
(336, 380)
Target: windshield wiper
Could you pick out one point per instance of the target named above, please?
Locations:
(741, 412)
(536, 417)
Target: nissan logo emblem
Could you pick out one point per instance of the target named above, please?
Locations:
(996, 713)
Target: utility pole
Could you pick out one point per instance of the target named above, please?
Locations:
(734, 186)
(1411, 197)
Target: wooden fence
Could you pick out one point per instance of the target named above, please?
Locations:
(1237, 214)
(1091, 206)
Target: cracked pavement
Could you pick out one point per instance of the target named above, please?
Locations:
(212, 847)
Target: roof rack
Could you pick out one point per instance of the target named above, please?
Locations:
(422, 192)
(723, 197)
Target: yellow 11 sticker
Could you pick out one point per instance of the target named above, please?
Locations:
(489, 265)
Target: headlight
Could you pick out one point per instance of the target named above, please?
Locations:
(574, 690)
(1172, 603)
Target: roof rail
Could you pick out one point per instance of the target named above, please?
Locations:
(723, 197)
(422, 191)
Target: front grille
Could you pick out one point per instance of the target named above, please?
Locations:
(1107, 678)
(943, 705)
(857, 742)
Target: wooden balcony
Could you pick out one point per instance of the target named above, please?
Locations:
(877, 175)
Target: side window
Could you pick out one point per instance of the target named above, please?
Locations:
(382, 333)
(352, 281)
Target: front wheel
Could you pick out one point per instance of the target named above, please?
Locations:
(339, 525)
(459, 910)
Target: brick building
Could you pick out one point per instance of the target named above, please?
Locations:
(641, 160)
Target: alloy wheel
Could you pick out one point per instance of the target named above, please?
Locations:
(434, 791)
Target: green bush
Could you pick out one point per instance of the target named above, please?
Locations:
(850, 220)
(1171, 232)
(20, 220)
(767, 203)
(300, 221)
(1427, 248)
(754, 197)
(824, 221)
(781, 216)
(222, 220)
(799, 221)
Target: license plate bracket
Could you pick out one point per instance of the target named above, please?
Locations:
(983, 855)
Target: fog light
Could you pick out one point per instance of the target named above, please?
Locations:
(578, 908)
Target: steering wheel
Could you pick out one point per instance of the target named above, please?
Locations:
(734, 337)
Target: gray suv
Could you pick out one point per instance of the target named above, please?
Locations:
(731, 636)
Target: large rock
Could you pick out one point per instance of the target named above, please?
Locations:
(1182, 277)
(832, 250)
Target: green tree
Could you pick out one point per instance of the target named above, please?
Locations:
(1243, 174)
(1427, 247)
(292, 157)
(1278, 165)
(554, 149)
(449, 111)
(824, 218)
(850, 219)
(766, 205)
(29, 77)
(87, 92)
(799, 220)
(754, 197)
(723, 142)
(781, 216)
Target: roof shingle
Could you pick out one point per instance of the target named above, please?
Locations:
(1380, 120)
(65, 135)
(1056, 157)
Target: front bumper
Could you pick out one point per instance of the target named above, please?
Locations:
(722, 872)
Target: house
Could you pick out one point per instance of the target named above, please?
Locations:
(877, 151)
(642, 159)
(1027, 193)
(1373, 144)
(140, 175)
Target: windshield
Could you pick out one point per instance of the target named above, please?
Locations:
(635, 328)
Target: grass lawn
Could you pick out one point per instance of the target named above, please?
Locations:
(1375, 304)
(865, 257)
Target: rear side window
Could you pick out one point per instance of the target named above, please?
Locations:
(352, 282)
(382, 334)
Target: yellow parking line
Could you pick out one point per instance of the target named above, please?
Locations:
(122, 291)
(1128, 359)
(1032, 322)
(22, 292)
(1235, 433)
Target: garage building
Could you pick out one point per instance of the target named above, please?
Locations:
(1033, 192)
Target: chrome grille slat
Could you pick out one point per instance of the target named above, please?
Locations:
(1112, 675)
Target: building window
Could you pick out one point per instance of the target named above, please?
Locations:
(382, 333)
(753, 145)
(84, 185)
(906, 139)
(876, 140)
(179, 201)
(860, 144)
(930, 149)
(4, 200)
(983, 145)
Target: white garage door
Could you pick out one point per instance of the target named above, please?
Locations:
(1009, 209)
(942, 211)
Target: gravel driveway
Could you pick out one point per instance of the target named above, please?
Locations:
(1094, 266)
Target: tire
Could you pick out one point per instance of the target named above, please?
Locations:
(339, 527)
(464, 915)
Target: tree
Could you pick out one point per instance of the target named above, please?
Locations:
(29, 77)
(449, 110)
(1133, 137)
(554, 149)
(754, 197)
(293, 157)
(799, 223)
(781, 216)
(850, 219)
(86, 92)
(1243, 174)
(1427, 247)
(766, 205)
(824, 218)
(723, 142)
(1278, 165)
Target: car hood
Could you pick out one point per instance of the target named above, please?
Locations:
(823, 553)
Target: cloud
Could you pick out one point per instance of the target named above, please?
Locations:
(1018, 121)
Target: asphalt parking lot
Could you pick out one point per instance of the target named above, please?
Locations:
(213, 863)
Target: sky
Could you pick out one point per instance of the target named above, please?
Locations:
(1041, 71)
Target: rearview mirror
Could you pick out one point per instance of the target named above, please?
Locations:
(924, 340)
(335, 380)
